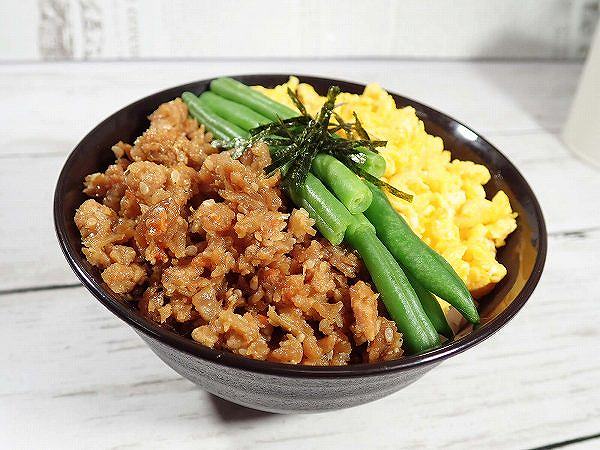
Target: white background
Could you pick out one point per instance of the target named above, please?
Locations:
(150, 29)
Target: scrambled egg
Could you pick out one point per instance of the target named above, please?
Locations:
(449, 211)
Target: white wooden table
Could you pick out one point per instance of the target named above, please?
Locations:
(73, 375)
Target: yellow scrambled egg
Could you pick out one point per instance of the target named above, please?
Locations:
(449, 211)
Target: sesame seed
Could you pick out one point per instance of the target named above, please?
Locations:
(191, 250)
(118, 151)
(389, 335)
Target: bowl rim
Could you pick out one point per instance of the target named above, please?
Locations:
(226, 358)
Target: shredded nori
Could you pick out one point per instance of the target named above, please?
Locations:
(295, 142)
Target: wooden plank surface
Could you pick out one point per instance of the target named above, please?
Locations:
(490, 97)
(78, 377)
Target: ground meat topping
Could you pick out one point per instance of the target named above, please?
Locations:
(364, 307)
(207, 246)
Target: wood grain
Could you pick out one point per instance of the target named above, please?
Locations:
(529, 385)
(79, 377)
(67, 100)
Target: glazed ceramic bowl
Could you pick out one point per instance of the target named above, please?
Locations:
(295, 388)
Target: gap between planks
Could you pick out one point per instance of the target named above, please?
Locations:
(576, 440)
(51, 287)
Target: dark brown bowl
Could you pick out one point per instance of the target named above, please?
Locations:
(294, 388)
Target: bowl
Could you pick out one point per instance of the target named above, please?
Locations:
(282, 388)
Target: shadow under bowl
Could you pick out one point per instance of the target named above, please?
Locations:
(285, 388)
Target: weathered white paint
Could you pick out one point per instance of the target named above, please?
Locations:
(133, 29)
(526, 97)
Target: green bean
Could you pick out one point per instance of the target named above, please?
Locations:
(374, 164)
(235, 113)
(218, 126)
(327, 209)
(399, 298)
(240, 93)
(344, 183)
(428, 267)
(328, 233)
(361, 221)
(432, 308)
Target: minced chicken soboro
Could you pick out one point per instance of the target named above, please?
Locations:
(208, 246)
